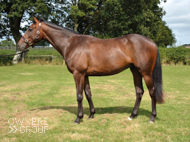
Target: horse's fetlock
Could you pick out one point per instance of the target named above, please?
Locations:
(80, 115)
(154, 114)
(92, 111)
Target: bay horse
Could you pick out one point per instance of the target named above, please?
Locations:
(87, 56)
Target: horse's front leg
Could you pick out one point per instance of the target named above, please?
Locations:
(79, 82)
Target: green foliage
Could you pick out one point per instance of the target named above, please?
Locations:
(83, 14)
(30, 59)
(175, 55)
(164, 36)
(122, 17)
(14, 12)
(101, 18)
(7, 43)
(6, 61)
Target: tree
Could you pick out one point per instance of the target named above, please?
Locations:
(15, 12)
(12, 13)
(164, 36)
(101, 18)
(121, 17)
(62, 12)
(82, 14)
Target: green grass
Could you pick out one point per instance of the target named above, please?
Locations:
(32, 52)
(7, 52)
(47, 93)
(44, 52)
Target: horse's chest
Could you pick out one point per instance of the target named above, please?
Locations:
(77, 65)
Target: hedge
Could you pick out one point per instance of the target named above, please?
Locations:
(6, 60)
(168, 55)
(175, 55)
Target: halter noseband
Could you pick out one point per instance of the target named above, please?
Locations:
(36, 38)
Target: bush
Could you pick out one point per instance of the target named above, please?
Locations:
(175, 55)
(6, 60)
(43, 60)
(38, 57)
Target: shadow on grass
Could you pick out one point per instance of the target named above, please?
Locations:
(99, 110)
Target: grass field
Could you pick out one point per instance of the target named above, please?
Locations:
(38, 103)
(32, 52)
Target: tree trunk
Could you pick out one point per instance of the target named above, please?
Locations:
(76, 25)
(15, 26)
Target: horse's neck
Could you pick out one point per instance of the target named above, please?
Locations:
(59, 39)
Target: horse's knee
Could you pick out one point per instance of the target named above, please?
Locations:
(139, 92)
(79, 98)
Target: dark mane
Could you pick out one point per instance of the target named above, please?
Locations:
(57, 26)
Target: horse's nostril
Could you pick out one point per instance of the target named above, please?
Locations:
(18, 47)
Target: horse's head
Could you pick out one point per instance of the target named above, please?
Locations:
(31, 36)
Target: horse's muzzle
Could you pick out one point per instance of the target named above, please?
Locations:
(21, 48)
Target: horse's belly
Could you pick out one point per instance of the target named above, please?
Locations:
(106, 70)
(108, 62)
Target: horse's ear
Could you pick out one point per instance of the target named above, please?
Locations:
(35, 19)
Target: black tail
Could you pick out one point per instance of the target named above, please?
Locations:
(157, 78)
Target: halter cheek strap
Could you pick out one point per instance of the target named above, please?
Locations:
(36, 38)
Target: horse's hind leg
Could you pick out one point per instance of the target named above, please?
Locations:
(139, 91)
(89, 96)
(150, 84)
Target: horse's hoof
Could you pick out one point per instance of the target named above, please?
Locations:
(129, 118)
(151, 122)
(77, 121)
(91, 117)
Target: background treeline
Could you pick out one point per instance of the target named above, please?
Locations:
(178, 55)
(101, 18)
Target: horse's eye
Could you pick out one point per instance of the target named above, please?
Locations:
(30, 30)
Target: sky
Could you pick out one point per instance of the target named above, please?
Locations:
(178, 19)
